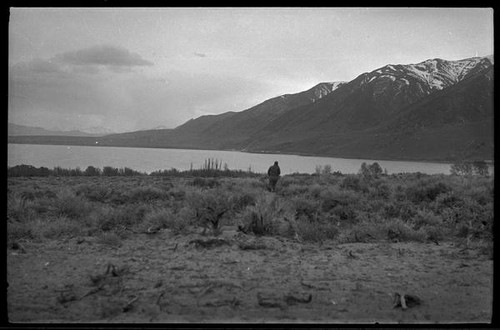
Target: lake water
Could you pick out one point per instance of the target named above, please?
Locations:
(152, 159)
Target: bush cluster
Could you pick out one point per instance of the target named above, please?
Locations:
(363, 207)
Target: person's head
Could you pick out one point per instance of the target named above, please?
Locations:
(276, 163)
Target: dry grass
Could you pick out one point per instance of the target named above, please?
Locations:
(314, 208)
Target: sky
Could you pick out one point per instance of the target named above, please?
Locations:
(127, 69)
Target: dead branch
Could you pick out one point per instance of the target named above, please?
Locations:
(91, 291)
(128, 306)
(405, 301)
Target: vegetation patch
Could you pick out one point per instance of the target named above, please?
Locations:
(365, 207)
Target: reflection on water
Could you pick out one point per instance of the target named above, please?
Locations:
(151, 159)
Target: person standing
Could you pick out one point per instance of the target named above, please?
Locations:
(274, 174)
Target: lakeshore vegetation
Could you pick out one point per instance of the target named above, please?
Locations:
(370, 206)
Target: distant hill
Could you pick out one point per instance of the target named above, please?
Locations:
(435, 110)
(15, 130)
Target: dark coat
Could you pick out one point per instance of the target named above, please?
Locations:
(274, 171)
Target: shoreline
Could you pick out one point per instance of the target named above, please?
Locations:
(263, 152)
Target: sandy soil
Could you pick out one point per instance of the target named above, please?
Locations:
(243, 278)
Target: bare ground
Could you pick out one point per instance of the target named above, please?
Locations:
(166, 278)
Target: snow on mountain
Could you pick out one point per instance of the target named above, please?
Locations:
(324, 89)
(337, 84)
(434, 74)
(395, 85)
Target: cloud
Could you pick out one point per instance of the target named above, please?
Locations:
(111, 56)
(200, 54)
(55, 92)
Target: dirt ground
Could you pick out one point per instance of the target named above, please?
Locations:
(166, 278)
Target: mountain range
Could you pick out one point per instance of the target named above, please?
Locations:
(15, 129)
(436, 110)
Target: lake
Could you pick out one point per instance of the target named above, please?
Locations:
(152, 159)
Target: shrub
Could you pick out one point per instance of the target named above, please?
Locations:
(32, 194)
(316, 190)
(70, 205)
(407, 210)
(42, 206)
(124, 216)
(19, 209)
(92, 171)
(462, 168)
(110, 171)
(480, 168)
(371, 228)
(294, 189)
(397, 230)
(158, 218)
(128, 172)
(361, 232)
(316, 231)
(353, 182)
(93, 192)
(331, 197)
(242, 200)
(473, 219)
(323, 170)
(146, 194)
(270, 215)
(433, 233)
(391, 210)
(205, 182)
(381, 191)
(210, 207)
(178, 223)
(59, 227)
(425, 218)
(346, 213)
(372, 171)
(447, 200)
(183, 221)
(59, 171)
(306, 208)
(481, 193)
(425, 191)
(177, 193)
(27, 170)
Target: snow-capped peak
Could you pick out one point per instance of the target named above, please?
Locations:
(325, 88)
(436, 73)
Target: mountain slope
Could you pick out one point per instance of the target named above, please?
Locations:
(375, 97)
(456, 121)
(230, 130)
(434, 110)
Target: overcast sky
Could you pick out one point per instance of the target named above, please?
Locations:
(130, 69)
